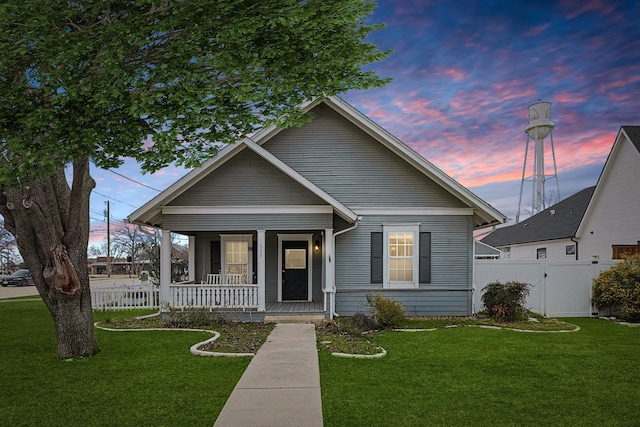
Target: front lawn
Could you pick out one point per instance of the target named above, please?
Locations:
(486, 377)
(138, 378)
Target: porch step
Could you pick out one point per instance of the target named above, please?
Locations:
(293, 318)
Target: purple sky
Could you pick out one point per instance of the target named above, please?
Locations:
(465, 73)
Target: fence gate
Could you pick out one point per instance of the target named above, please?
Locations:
(559, 288)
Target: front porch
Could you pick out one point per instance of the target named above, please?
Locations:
(253, 274)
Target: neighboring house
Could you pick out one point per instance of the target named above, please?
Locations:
(317, 217)
(611, 224)
(601, 222)
(547, 234)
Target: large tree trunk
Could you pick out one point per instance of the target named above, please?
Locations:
(50, 222)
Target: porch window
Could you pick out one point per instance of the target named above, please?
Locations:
(235, 255)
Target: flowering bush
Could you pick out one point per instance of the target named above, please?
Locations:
(505, 301)
(618, 289)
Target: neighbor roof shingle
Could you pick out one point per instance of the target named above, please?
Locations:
(559, 221)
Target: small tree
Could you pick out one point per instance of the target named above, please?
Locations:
(618, 288)
(505, 301)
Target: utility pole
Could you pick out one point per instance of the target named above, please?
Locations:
(108, 215)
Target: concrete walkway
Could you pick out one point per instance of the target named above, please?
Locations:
(281, 386)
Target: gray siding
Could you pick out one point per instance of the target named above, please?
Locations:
(451, 266)
(422, 302)
(203, 261)
(202, 222)
(246, 179)
(354, 168)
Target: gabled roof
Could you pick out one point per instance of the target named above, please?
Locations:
(633, 133)
(626, 133)
(559, 221)
(484, 214)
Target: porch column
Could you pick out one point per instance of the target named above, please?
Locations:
(261, 271)
(329, 271)
(192, 258)
(165, 269)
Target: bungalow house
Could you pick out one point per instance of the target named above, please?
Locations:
(601, 222)
(315, 218)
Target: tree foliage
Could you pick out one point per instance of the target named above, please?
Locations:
(160, 81)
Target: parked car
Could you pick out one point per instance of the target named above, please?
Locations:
(21, 277)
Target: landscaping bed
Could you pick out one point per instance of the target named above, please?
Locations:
(357, 334)
(235, 337)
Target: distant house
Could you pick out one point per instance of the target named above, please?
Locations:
(548, 234)
(315, 218)
(601, 222)
(611, 224)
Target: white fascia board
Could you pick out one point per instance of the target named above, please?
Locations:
(485, 211)
(340, 209)
(412, 211)
(242, 210)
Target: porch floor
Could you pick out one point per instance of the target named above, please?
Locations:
(295, 307)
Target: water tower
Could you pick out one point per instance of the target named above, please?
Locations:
(540, 126)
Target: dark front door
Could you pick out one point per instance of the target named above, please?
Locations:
(295, 279)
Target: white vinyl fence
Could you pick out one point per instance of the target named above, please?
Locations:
(559, 288)
(125, 297)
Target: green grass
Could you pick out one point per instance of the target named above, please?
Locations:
(449, 377)
(138, 378)
(484, 377)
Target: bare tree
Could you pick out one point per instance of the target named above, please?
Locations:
(8, 254)
(128, 240)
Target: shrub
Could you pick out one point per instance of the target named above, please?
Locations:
(505, 301)
(618, 288)
(354, 325)
(387, 312)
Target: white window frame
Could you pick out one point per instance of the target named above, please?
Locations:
(405, 228)
(227, 238)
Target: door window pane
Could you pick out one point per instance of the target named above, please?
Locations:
(295, 259)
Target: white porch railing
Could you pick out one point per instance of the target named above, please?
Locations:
(226, 279)
(221, 291)
(125, 297)
(213, 296)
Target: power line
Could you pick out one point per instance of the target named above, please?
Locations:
(115, 200)
(133, 180)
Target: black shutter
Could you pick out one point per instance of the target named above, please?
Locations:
(376, 257)
(425, 258)
(216, 266)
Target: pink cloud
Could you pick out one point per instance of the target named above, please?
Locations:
(536, 30)
(570, 98)
(578, 7)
